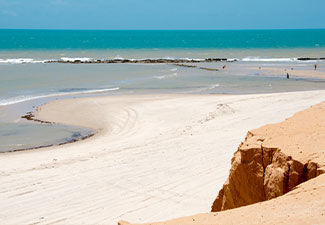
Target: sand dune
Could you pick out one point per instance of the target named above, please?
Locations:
(154, 157)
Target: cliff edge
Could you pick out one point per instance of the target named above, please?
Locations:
(272, 161)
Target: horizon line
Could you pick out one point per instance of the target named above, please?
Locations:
(242, 29)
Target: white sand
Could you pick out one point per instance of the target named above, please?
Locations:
(155, 157)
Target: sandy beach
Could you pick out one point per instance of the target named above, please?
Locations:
(154, 157)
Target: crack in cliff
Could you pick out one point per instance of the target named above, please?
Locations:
(264, 167)
(286, 178)
(260, 173)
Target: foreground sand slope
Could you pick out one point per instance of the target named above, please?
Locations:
(270, 162)
(304, 205)
(154, 157)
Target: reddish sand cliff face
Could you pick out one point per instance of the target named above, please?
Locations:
(274, 159)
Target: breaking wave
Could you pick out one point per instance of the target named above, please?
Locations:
(166, 76)
(201, 89)
(24, 98)
(21, 61)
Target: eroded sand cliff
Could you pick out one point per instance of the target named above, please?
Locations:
(274, 159)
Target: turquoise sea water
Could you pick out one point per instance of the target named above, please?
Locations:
(26, 80)
(107, 39)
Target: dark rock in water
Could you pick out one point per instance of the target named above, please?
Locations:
(215, 59)
(185, 65)
(153, 61)
(76, 135)
(305, 59)
(209, 69)
(309, 58)
(30, 116)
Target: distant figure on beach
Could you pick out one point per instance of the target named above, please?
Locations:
(288, 76)
(315, 66)
(224, 67)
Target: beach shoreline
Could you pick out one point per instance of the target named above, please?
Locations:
(33, 117)
(151, 153)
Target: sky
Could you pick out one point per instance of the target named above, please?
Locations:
(162, 14)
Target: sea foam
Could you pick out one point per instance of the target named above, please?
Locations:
(84, 59)
(166, 76)
(257, 59)
(24, 98)
(20, 61)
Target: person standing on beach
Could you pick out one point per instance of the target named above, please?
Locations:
(315, 66)
(288, 76)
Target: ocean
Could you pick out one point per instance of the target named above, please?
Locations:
(27, 79)
(132, 39)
